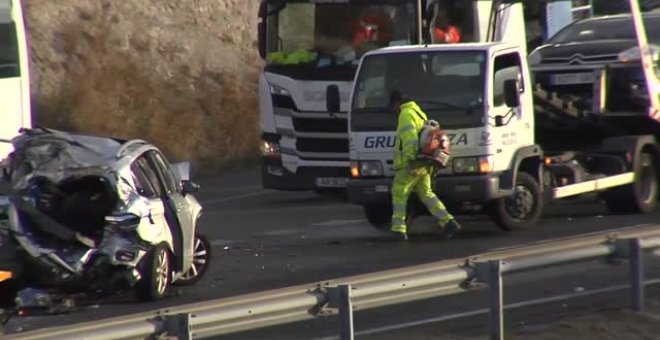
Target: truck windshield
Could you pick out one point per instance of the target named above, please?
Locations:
(447, 85)
(330, 33)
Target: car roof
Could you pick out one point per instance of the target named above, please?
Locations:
(615, 17)
(111, 149)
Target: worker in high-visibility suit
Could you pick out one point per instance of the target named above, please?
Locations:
(413, 173)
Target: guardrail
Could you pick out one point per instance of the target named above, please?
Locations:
(346, 295)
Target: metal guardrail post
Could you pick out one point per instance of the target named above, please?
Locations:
(177, 327)
(340, 298)
(491, 273)
(636, 274)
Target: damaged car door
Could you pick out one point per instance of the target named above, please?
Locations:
(148, 187)
(177, 211)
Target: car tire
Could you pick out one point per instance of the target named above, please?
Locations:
(156, 274)
(378, 215)
(638, 197)
(522, 209)
(201, 260)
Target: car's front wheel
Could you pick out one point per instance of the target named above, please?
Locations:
(155, 271)
(200, 262)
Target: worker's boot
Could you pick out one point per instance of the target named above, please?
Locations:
(450, 229)
(398, 233)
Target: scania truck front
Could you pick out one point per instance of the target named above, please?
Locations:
(311, 49)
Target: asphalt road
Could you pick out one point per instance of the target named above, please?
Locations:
(267, 239)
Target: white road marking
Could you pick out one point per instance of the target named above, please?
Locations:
(334, 223)
(599, 232)
(222, 189)
(238, 197)
(278, 210)
(516, 305)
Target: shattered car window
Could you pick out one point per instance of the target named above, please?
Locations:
(163, 171)
(151, 178)
(142, 183)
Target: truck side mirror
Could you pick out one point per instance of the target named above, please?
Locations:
(511, 94)
(332, 98)
(261, 29)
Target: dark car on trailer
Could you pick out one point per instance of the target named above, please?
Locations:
(574, 60)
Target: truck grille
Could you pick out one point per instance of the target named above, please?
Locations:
(322, 145)
(332, 125)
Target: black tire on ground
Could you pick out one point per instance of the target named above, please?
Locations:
(155, 271)
(522, 209)
(201, 261)
(639, 197)
(8, 290)
(379, 215)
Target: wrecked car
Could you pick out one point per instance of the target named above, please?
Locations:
(96, 216)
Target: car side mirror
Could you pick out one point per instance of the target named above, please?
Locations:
(188, 187)
(511, 93)
(332, 99)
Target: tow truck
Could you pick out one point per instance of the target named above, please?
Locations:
(311, 54)
(507, 161)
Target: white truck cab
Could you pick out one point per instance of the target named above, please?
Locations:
(462, 87)
(15, 112)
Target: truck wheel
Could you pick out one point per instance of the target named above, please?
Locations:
(520, 210)
(639, 197)
(155, 271)
(379, 215)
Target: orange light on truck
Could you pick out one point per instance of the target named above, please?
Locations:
(4, 276)
(485, 164)
(355, 170)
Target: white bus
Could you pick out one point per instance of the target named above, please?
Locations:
(15, 112)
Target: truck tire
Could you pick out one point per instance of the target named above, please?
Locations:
(639, 197)
(378, 215)
(520, 210)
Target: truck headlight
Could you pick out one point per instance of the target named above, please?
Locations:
(482, 164)
(269, 149)
(367, 169)
(274, 89)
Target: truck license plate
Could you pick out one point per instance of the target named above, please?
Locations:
(572, 78)
(331, 182)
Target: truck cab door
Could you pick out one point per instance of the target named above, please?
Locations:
(512, 119)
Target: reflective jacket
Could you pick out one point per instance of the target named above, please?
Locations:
(411, 121)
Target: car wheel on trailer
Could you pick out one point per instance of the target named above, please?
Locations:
(638, 197)
(520, 210)
(155, 271)
(200, 263)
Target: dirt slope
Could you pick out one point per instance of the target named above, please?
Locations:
(179, 73)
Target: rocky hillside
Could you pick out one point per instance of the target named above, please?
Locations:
(179, 73)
